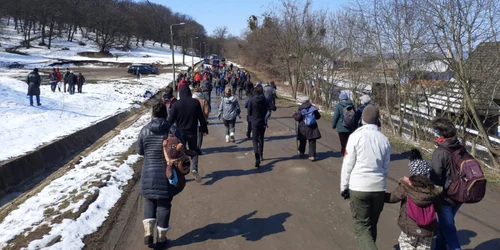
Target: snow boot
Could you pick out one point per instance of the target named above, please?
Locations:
(227, 138)
(161, 241)
(149, 226)
(232, 137)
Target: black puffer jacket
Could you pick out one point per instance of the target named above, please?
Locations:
(307, 132)
(154, 184)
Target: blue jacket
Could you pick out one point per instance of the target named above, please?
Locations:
(359, 112)
(338, 115)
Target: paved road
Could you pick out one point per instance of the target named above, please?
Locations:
(288, 203)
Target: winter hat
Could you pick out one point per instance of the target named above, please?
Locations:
(419, 167)
(370, 114)
(365, 99)
(343, 96)
(306, 99)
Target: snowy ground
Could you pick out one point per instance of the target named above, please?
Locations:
(101, 173)
(62, 114)
(42, 57)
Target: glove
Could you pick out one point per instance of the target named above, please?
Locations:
(345, 194)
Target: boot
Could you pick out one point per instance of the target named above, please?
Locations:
(161, 241)
(232, 137)
(227, 138)
(149, 226)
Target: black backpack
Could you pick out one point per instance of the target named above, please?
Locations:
(349, 117)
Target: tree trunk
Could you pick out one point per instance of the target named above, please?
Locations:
(183, 58)
(43, 32)
(51, 30)
(137, 42)
(69, 32)
(73, 33)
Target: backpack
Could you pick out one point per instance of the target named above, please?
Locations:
(309, 118)
(168, 103)
(349, 117)
(53, 77)
(423, 216)
(468, 184)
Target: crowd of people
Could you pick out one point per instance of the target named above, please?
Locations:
(69, 82)
(430, 196)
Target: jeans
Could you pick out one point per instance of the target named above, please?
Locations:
(53, 86)
(37, 100)
(344, 137)
(80, 86)
(258, 141)
(71, 89)
(200, 139)
(366, 208)
(447, 232)
(158, 209)
(207, 96)
(312, 147)
(229, 124)
(192, 144)
(268, 115)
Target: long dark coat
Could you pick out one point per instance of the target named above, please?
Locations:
(33, 83)
(307, 132)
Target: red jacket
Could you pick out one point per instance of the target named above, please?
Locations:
(181, 83)
(197, 77)
(59, 76)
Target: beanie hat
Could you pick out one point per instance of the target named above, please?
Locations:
(419, 167)
(365, 99)
(370, 114)
(343, 96)
(306, 99)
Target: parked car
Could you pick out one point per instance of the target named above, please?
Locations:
(213, 56)
(206, 61)
(142, 69)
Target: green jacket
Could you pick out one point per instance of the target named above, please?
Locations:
(338, 113)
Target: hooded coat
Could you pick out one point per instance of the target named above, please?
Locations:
(229, 108)
(338, 116)
(441, 164)
(154, 184)
(33, 82)
(421, 197)
(186, 113)
(307, 132)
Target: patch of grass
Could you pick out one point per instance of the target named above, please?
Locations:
(64, 205)
(22, 240)
(49, 212)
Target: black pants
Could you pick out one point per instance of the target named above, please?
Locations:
(158, 209)
(80, 86)
(258, 140)
(234, 89)
(312, 147)
(230, 124)
(192, 144)
(249, 129)
(53, 86)
(344, 137)
(240, 93)
(200, 139)
(71, 89)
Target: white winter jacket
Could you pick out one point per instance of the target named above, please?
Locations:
(366, 162)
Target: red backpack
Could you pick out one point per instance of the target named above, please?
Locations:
(423, 216)
(468, 184)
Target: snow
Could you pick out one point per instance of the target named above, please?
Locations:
(62, 114)
(41, 56)
(76, 182)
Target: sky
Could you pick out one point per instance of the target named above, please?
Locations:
(232, 13)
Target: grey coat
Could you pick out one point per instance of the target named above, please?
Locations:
(229, 108)
(154, 183)
(33, 82)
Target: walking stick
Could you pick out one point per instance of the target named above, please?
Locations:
(296, 136)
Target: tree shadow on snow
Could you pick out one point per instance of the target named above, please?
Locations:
(252, 229)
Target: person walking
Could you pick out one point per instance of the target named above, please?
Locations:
(156, 189)
(364, 176)
(308, 130)
(446, 138)
(420, 199)
(80, 81)
(187, 113)
(72, 81)
(257, 110)
(59, 79)
(198, 95)
(270, 94)
(365, 100)
(344, 119)
(248, 86)
(66, 78)
(229, 109)
(206, 88)
(53, 80)
(218, 86)
(34, 82)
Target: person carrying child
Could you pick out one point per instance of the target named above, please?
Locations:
(420, 199)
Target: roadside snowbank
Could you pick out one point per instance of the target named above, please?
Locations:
(67, 194)
(24, 128)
